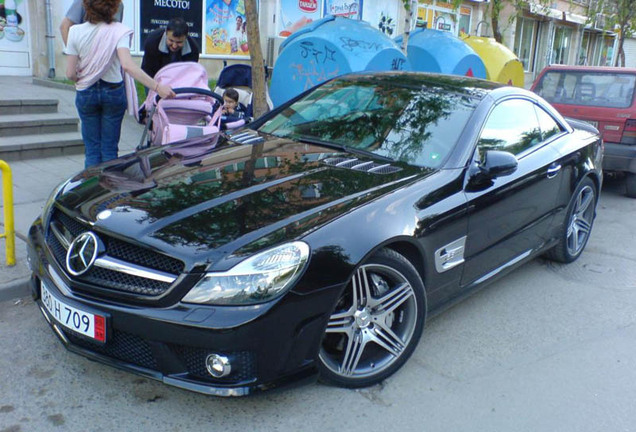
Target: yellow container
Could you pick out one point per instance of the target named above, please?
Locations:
(502, 65)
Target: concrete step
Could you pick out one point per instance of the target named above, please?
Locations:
(39, 146)
(32, 124)
(27, 106)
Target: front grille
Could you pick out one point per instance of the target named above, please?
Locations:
(122, 346)
(115, 248)
(124, 282)
(243, 364)
(143, 257)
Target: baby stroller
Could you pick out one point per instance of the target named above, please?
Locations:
(239, 77)
(195, 111)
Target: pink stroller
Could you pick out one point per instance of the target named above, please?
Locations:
(195, 111)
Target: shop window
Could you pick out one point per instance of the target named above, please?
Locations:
(561, 45)
(525, 42)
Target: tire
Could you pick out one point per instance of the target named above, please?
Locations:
(577, 226)
(376, 324)
(630, 185)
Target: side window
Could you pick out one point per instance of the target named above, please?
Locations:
(512, 126)
(549, 126)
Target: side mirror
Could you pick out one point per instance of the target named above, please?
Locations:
(495, 164)
(498, 164)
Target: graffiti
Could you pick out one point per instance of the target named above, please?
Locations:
(308, 49)
(352, 44)
(397, 63)
(312, 76)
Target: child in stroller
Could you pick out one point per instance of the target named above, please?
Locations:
(234, 113)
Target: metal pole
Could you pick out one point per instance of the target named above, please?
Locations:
(50, 37)
(7, 193)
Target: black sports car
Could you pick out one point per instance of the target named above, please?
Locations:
(319, 240)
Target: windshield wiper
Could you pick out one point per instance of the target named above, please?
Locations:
(348, 149)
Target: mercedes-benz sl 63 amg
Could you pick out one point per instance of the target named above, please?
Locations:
(317, 241)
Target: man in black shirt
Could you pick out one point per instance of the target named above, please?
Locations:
(169, 46)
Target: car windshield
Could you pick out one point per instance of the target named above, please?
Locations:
(600, 89)
(396, 119)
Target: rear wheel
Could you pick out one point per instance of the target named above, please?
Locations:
(578, 224)
(376, 324)
(630, 184)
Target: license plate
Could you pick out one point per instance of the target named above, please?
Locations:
(77, 320)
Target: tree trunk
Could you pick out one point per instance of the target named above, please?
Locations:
(620, 58)
(256, 53)
(494, 20)
(407, 25)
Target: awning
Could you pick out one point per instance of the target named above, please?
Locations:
(578, 19)
(538, 9)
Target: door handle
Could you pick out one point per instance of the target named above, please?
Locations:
(553, 170)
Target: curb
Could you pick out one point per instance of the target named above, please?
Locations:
(15, 289)
(52, 84)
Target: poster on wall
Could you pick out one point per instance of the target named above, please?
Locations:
(226, 28)
(383, 16)
(156, 13)
(12, 24)
(295, 14)
(14, 42)
(344, 8)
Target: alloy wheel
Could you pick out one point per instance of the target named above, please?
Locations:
(580, 225)
(372, 325)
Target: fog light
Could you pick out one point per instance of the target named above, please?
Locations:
(217, 365)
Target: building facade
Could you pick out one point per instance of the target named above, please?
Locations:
(538, 35)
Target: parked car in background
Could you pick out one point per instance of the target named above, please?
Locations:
(316, 241)
(604, 97)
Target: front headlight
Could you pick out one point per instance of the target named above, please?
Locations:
(258, 279)
(46, 210)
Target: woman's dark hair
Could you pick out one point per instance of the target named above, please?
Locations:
(100, 10)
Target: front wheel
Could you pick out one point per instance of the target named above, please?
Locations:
(578, 224)
(376, 324)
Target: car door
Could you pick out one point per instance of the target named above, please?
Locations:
(509, 218)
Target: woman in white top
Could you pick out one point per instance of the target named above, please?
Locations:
(97, 50)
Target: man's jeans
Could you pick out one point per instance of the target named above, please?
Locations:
(101, 108)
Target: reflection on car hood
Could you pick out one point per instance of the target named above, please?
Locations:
(198, 200)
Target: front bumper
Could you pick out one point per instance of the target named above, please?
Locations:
(268, 345)
(619, 157)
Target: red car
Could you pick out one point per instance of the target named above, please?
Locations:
(603, 96)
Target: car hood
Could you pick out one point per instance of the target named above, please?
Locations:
(213, 199)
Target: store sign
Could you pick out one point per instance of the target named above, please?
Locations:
(345, 8)
(308, 5)
(156, 13)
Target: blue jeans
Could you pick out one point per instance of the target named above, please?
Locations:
(101, 109)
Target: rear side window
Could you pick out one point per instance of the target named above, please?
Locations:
(598, 89)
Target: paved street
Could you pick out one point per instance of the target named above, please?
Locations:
(547, 348)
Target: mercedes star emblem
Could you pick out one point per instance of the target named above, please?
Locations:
(81, 253)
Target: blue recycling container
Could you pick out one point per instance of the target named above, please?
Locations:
(327, 48)
(441, 52)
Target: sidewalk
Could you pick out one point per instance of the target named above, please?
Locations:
(34, 179)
